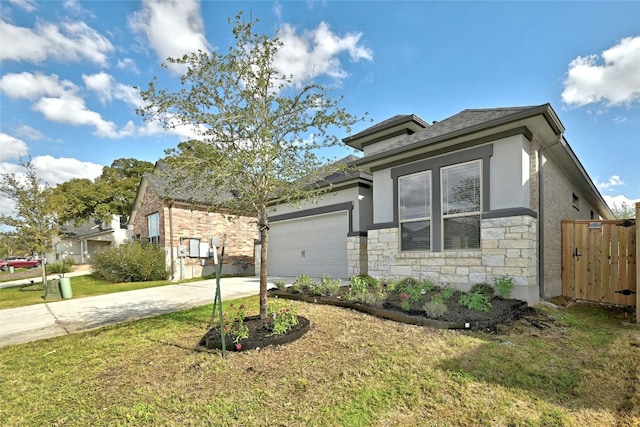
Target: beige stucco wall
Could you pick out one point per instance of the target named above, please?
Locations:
(558, 205)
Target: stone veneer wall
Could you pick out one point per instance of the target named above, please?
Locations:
(357, 255)
(508, 248)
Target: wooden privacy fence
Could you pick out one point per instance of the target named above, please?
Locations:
(599, 261)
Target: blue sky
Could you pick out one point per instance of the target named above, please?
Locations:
(68, 69)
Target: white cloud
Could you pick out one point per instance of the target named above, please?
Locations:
(59, 101)
(12, 148)
(52, 170)
(28, 5)
(32, 86)
(128, 64)
(105, 86)
(184, 20)
(28, 132)
(67, 42)
(56, 170)
(316, 52)
(615, 81)
(613, 181)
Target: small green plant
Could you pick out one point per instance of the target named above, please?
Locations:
(361, 290)
(414, 289)
(234, 323)
(303, 284)
(327, 286)
(435, 307)
(483, 288)
(504, 285)
(447, 292)
(280, 284)
(406, 304)
(392, 286)
(283, 317)
(475, 301)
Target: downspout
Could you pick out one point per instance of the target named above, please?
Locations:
(543, 296)
(173, 268)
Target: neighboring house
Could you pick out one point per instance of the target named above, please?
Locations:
(476, 196)
(81, 242)
(178, 220)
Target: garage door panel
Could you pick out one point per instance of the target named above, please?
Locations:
(313, 246)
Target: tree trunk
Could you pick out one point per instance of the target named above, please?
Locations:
(264, 237)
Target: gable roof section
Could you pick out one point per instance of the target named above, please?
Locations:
(92, 227)
(401, 124)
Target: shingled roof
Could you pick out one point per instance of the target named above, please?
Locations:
(466, 121)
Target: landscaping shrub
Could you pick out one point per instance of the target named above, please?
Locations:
(483, 288)
(363, 289)
(60, 267)
(475, 301)
(504, 285)
(280, 284)
(326, 287)
(131, 262)
(435, 308)
(303, 284)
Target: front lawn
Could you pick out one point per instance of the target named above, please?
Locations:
(577, 366)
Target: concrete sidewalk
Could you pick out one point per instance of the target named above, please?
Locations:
(51, 319)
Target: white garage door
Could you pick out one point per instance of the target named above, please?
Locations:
(314, 246)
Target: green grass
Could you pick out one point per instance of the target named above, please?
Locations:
(82, 286)
(350, 369)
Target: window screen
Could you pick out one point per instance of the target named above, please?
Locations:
(461, 205)
(415, 211)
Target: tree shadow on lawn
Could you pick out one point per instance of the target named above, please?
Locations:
(562, 358)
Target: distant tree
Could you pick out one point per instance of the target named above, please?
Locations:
(34, 222)
(112, 193)
(118, 184)
(623, 211)
(259, 134)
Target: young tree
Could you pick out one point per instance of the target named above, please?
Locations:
(34, 222)
(259, 135)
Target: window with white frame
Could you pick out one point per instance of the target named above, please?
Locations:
(461, 205)
(153, 227)
(414, 192)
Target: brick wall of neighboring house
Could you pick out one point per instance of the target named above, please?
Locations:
(182, 221)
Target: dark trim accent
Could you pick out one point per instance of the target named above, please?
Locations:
(382, 225)
(504, 213)
(346, 206)
(357, 234)
(484, 153)
(522, 130)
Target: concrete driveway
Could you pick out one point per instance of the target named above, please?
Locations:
(51, 319)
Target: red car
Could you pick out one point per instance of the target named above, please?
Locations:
(19, 263)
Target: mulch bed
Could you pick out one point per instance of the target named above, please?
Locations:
(456, 317)
(259, 335)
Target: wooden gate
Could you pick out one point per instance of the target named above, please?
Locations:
(599, 261)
